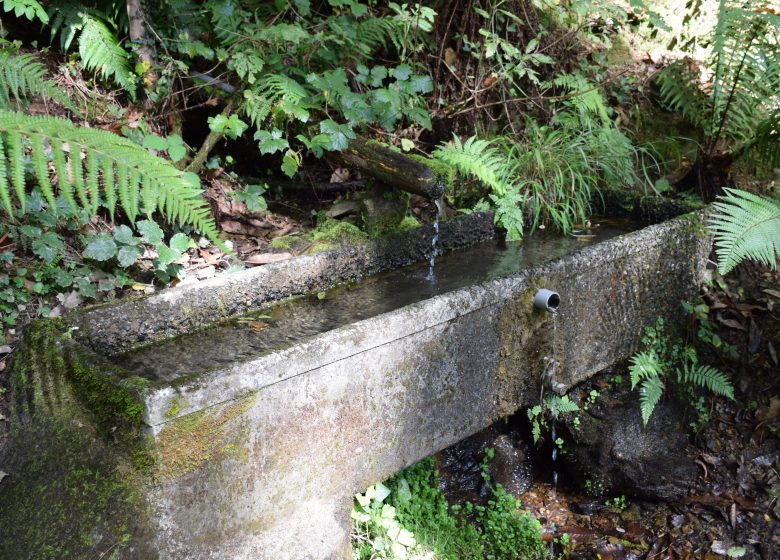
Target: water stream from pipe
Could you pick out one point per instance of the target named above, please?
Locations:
(550, 381)
(435, 239)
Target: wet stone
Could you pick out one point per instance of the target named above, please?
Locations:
(613, 449)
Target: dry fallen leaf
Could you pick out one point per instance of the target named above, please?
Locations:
(769, 413)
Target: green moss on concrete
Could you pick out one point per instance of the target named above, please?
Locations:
(72, 492)
(176, 405)
(187, 442)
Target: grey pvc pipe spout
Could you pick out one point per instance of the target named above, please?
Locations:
(547, 300)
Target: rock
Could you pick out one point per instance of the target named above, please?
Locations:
(381, 210)
(459, 465)
(509, 466)
(625, 457)
(341, 209)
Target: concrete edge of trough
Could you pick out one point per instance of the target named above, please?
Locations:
(116, 327)
(223, 385)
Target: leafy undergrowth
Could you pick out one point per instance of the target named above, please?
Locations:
(733, 508)
(408, 517)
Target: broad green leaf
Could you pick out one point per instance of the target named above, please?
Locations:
(128, 254)
(152, 142)
(101, 249)
(150, 231)
(179, 242)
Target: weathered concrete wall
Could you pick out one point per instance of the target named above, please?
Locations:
(261, 459)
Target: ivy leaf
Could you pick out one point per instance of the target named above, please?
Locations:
(231, 126)
(47, 246)
(271, 142)
(402, 72)
(177, 151)
(101, 248)
(290, 163)
(150, 231)
(421, 84)
(252, 197)
(378, 75)
(318, 144)
(128, 254)
(303, 6)
(338, 134)
(124, 235)
(86, 288)
(180, 242)
(166, 255)
(420, 116)
(152, 142)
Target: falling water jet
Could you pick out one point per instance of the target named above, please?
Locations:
(548, 300)
(435, 239)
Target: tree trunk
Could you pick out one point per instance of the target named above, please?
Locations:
(144, 45)
(391, 168)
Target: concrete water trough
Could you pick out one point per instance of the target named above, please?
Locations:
(202, 422)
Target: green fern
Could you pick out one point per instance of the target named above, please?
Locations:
(478, 158)
(374, 32)
(98, 45)
(22, 77)
(766, 143)
(100, 51)
(745, 76)
(644, 365)
(746, 226)
(707, 377)
(560, 405)
(276, 90)
(122, 172)
(650, 393)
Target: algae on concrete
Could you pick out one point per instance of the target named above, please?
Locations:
(73, 454)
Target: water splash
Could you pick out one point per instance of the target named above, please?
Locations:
(435, 239)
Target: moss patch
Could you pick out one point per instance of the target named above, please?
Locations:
(338, 232)
(73, 490)
(445, 174)
(189, 441)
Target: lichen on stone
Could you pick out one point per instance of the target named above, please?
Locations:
(187, 442)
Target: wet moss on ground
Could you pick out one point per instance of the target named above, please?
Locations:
(72, 455)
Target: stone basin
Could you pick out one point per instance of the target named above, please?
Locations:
(207, 422)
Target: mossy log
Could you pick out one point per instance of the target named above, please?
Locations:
(392, 168)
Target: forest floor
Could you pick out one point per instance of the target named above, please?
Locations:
(733, 508)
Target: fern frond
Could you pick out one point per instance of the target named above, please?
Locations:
(681, 92)
(23, 77)
(175, 193)
(375, 32)
(561, 405)
(746, 75)
(66, 20)
(709, 378)
(478, 158)
(746, 226)
(766, 143)
(276, 90)
(649, 394)
(100, 51)
(644, 365)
